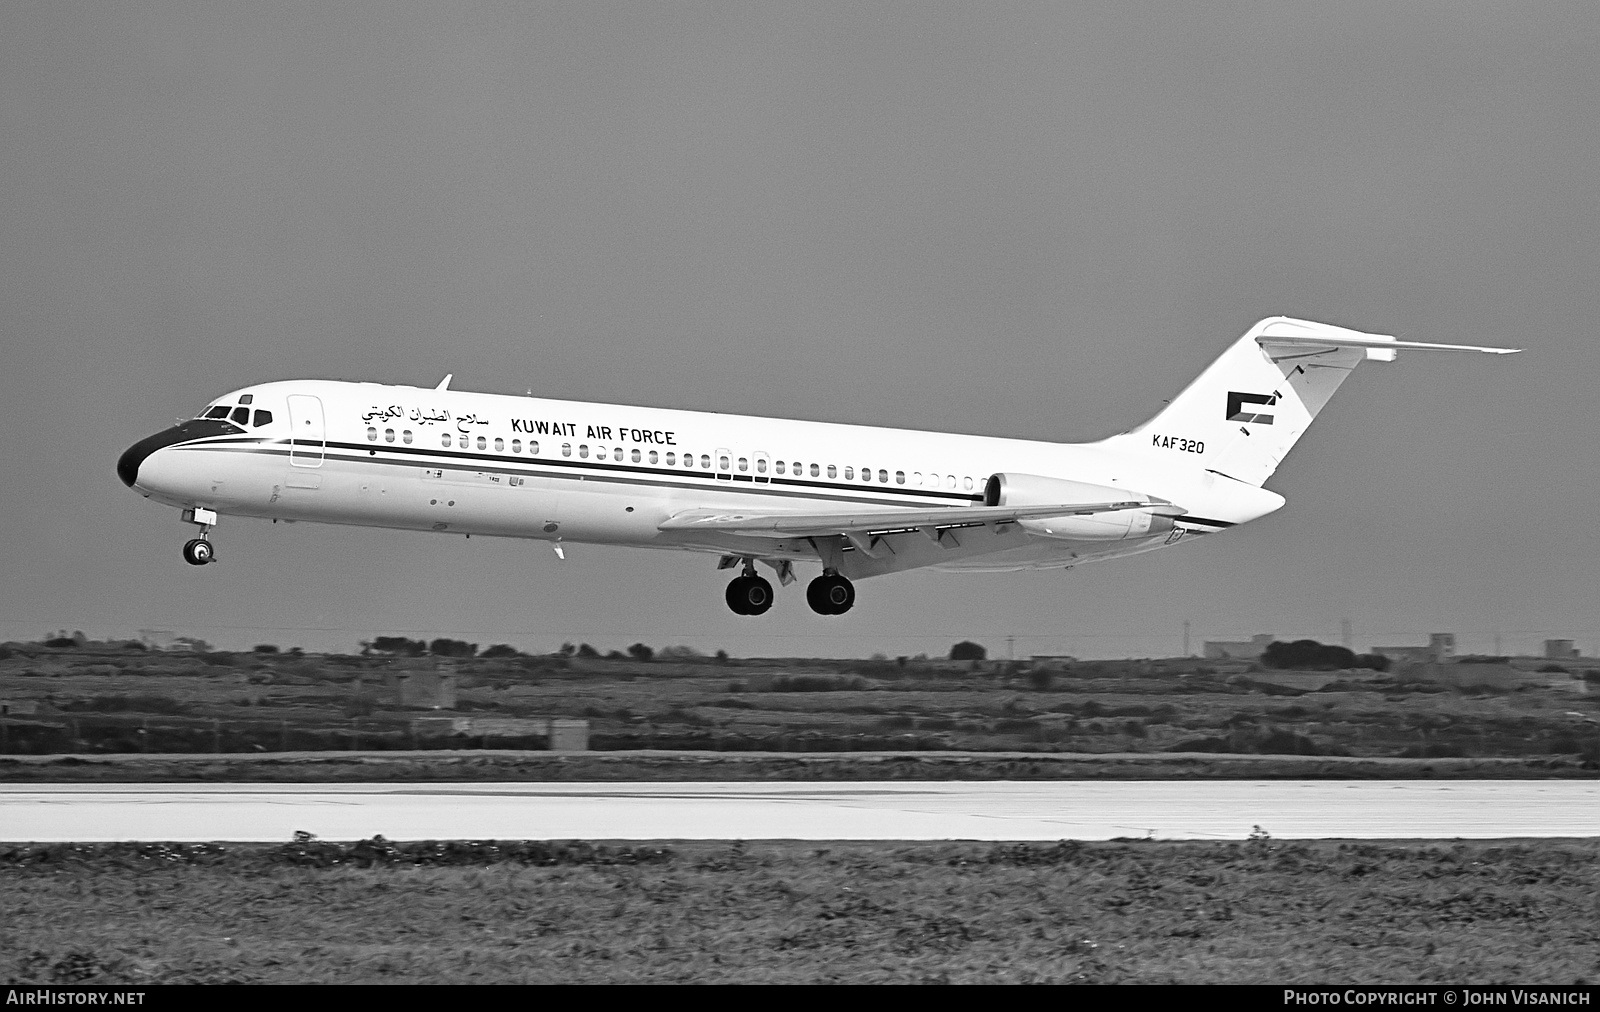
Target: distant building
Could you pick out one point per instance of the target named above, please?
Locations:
(422, 683)
(1223, 650)
(1441, 649)
(1560, 650)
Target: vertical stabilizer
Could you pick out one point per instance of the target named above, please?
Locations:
(1244, 414)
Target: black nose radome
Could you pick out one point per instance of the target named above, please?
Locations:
(195, 428)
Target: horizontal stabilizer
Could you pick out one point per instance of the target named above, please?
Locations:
(798, 525)
(1303, 333)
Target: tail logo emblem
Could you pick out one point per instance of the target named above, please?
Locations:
(1237, 402)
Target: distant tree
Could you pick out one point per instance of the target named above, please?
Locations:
(264, 648)
(59, 642)
(722, 655)
(640, 652)
(967, 650)
(585, 650)
(297, 651)
(452, 648)
(1307, 654)
(500, 650)
(566, 650)
(1377, 662)
(397, 646)
(678, 653)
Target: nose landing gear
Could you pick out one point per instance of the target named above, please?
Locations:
(830, 594)
(198, 551)
(749, 594)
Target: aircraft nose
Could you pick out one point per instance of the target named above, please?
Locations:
(132, 457)
(195, 428)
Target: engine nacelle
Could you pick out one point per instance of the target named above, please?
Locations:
(1011, 489)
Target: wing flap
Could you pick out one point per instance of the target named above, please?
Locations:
(792, 525)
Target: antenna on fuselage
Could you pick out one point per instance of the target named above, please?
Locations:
(444, 384)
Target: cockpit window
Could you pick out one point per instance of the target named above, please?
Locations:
(220, 411)
(241, 415)
(263, 417)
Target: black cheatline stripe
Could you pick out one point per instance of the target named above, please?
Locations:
(589, 465)
(1203, 520)
(673, 472)
(841, 493)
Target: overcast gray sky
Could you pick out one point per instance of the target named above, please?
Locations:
(1031, 220)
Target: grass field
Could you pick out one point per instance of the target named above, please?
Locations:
(105, 702)
(1257, 911)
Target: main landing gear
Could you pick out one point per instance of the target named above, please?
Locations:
(198, 551)
(749, 594)
(830, 594)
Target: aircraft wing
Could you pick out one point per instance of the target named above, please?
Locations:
(799, 525)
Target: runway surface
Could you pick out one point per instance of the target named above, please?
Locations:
(1035, 810)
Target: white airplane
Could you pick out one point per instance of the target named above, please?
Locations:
(862, 501)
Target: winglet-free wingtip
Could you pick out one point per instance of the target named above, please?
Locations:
(444, 384)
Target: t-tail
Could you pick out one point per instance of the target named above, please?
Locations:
(1243, 415)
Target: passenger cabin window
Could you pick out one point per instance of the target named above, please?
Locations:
(616, 454)
(899, 477)
(499, 444)
(599, 453)
(635, 456)
(482, 443)
(967, 484)
(583, 450)
(654, 456)
(705, 460)
(672, 460)
(445, 439)
(406, 436)
(241, 415)
(815, 471)
(372, 436)
(566, 449)
(761, 464)
(883, 475)
(388, 435)
(263, 418)
(722, 463)
(833, 472)
(533, 446)
(516, 446)
(778, 466)
(744, 463)
(849, 474)
(799, 468)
